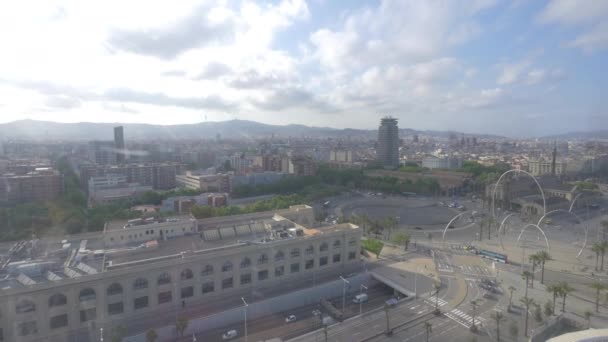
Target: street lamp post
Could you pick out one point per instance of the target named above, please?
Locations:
(344, 293)
(360, 301)
(246, 306)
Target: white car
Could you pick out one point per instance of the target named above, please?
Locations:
(230, 334)
(290, 318)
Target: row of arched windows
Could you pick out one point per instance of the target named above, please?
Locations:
(164, 278)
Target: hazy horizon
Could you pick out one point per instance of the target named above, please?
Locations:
(512, 68)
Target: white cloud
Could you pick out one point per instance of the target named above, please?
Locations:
(511, 72)
(591, 16)
(540, 75)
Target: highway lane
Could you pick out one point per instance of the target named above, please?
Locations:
(274, 325)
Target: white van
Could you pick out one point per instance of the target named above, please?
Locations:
(230, 334)
(360, 298)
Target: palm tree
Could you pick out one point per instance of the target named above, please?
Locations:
(603, 249)
(598, 286)
(527, 302)
(513, 329)
(437, 286)
(597, 249)
(543, 257)
(118, 333)
(498, 317)
(534, 261)
(490, 223)
(588, 315)
(511, 290)
(151, 335)
(556, 290)
(526, 275)
(565, 289)
(428, 327)
(481, 224)
(604, 224)
(181, 325)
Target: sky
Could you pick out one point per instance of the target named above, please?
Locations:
(516, 68)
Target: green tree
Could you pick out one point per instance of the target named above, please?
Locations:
(437, 287)
(598, 286)
(597, 249)
(118, 333)
(543, 257)
(513, 329)
(588, 315)
(181, 325)
(538, 313)
(428, 328)
(603, 249)
(526, 275)
(402, 238)
(527, 302)
(534, 261)
(556, 290)
(565, 290)
(511, 290)
(498, 317)
(151, 335)
(548, 308)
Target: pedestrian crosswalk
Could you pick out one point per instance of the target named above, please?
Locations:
(433, 300)
(463, 318)
(475, 270)
(444, 267)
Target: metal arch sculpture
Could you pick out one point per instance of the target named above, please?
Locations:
(500, 229)
(450, 223)
(542, 193)
(574, 200)
(586, 227)
(537, 227)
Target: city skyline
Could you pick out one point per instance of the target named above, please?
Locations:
(510, 68)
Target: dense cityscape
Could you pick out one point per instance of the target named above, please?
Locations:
(88, 223)
(304, 171)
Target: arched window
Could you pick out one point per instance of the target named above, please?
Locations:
(337, 244)
(310, 250)
(164, 278)
(87, 294)
(279, 256)
(295, 252)
(57, 299)
(227, 267)
(246, 262)
(262, 259)
(140, 284)
(324, 247)
(207, 270)
(114, 289)
(187, 274)
(25, 305)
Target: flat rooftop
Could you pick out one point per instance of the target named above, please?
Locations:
(136, 223)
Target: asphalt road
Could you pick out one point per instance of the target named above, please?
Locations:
(273, 326)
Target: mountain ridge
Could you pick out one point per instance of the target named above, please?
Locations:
(231, 129)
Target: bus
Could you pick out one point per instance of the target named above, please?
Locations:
(492, 255)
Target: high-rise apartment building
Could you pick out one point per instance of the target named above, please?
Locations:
(101, 152)
(388, 143)
(119, 144)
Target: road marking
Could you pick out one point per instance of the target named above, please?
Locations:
(413, 307)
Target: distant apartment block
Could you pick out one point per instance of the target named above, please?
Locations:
(160, 176)
(204, 182)
(447, 163)
(541, 166)
(388, 143)
(302, 166)
(112, 188)
(42, 184)
(341, 156)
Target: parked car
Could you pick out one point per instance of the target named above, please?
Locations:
(290, 318)
(230, 334)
